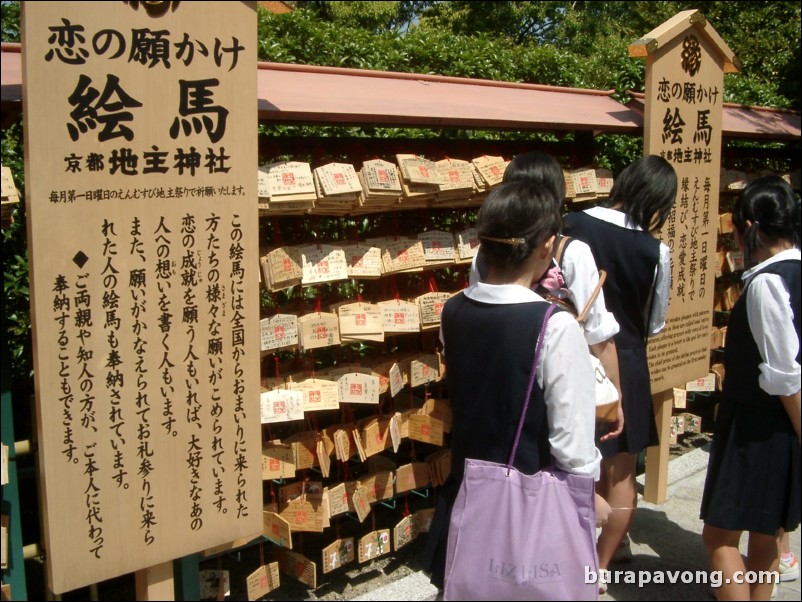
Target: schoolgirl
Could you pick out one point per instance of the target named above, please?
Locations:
(753, 476)
(619, 234)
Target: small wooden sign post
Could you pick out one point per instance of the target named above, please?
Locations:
(685, 64)
(140, 161)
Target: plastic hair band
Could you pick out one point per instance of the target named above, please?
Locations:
(506, 241)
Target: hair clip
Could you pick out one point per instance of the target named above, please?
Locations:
(506, 241)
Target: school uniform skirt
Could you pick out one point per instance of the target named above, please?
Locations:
(753, 477)
(640, 429)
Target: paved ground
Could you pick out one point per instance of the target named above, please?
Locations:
(665, 537)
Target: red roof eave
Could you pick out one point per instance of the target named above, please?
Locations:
(304, 93)
(330, 95)
(743, 121)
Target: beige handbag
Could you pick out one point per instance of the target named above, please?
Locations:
(607, 397)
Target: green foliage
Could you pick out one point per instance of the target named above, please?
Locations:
(375, 16)
(574, 44)
(16, 295)
(10, 21)
(521, 22)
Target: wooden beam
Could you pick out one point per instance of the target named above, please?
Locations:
(156, 582)
(657, 456)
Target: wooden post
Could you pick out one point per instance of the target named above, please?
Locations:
(657, 456)
(155, 582)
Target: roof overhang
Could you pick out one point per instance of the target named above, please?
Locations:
(337, 96)
(309, 94)
(10, 81)
(754, 123)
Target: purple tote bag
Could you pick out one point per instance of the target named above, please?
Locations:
(521, 537)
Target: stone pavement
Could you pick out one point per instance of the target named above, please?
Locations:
(665, 537)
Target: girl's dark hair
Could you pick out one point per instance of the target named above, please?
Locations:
(646, 190)
(515, 218)
(773, 208)
(540, 168)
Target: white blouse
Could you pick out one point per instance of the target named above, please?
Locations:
(581, 277)
(771, 320)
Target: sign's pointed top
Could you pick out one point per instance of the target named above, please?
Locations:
(678, 25)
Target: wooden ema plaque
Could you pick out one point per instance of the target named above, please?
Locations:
(338, 500)
(281, 268)
(297, 566)
(278, 332)
(373, 545)
(431, 307)
(278, 461)
(141, 206)
(304, 448)
(323, 457)
(424, 369)
(438, 247)
(359, 499)
(374, 433)
(378, 486)
(396, 380)
(406, 531)
(400, 316)
(412, 476)
(363, 261)
(304, 514)
(440, 409)
(318, 394)
(338, 179)
(297, 490)
(318, 329)
(281, 405)
(456, 179)
(263, 581)
(381, 176)
(491, 169)
(276, 529)
(337, 554)
(382, 369)
(467, 244)
(344, 444)
(322, 263)
(419, 170)
(426, 429)
(439, 466)
(402, 255)
(360, 321)
(289, 181)
(356, 387)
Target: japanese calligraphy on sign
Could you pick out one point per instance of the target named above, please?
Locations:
(140, 148)
(683, 116)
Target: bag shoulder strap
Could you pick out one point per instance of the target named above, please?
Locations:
(562, 243)
(584, 313)
(530, 386)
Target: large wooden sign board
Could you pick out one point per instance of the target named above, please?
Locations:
(685, 64)
(141, 202)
